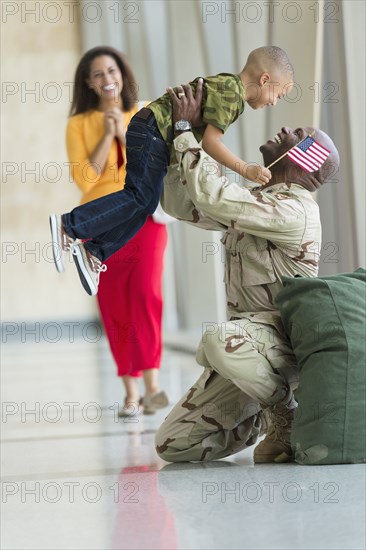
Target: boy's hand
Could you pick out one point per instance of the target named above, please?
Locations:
(185, 106)
(257, 173)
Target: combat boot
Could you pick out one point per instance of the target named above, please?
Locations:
(276, 447)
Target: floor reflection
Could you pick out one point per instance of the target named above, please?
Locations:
(143, 518)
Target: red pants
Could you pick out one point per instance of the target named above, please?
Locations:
(130, 300)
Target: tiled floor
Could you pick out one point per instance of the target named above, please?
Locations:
(74, 476)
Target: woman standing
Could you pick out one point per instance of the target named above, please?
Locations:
(130, 293)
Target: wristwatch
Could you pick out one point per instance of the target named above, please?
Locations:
(182, 126)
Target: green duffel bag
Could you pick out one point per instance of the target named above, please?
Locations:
(324, 318)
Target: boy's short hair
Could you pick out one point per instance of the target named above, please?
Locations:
(272, 55)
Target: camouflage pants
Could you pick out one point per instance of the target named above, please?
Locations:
(247, 363)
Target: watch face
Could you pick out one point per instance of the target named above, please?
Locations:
(182, 125)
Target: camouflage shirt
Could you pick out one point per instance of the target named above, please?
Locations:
(223, 100)
(269, 233)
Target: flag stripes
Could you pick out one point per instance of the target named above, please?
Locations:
(309, 154)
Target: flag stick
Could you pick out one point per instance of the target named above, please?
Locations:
(284, 154)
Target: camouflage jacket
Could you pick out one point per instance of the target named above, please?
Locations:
(268, 233)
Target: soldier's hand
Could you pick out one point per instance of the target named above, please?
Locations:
(185, 105)
(258, 174)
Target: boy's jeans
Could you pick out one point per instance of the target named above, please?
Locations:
(110, 221)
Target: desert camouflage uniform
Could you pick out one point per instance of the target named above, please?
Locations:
(223, 100)
(248, 360)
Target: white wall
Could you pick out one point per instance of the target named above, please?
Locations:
(342, 203)
(40, 50)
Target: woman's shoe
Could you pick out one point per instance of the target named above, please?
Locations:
(151, 403)
(131, 409)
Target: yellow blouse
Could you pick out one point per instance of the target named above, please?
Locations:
(83, 133)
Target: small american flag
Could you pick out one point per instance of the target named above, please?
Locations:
(309, 154)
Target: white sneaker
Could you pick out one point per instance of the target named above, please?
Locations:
(61, 242)
(89, 268)
(157, 400)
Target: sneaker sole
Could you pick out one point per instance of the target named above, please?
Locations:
(85, 278)
(56, 245)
